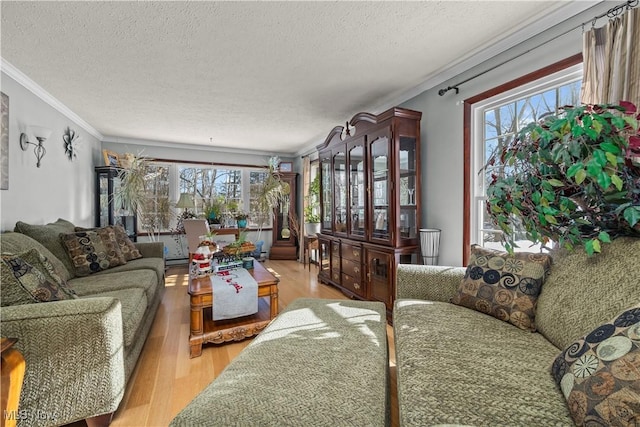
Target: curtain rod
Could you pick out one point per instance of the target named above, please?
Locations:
(611, 13)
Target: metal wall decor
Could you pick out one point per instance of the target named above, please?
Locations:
(70, 146)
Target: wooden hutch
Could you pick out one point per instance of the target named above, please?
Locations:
(370, 203)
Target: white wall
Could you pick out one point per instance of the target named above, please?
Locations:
(442, 127)
(59, 188)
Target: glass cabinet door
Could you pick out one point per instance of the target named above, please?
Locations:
(379, 267)
(408, 206)
(379, 179)
(340, 192)
(103, 200)
(326, 194)
(325, 256)
(357, 188)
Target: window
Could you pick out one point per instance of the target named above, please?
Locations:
(495, 122)
(237, 188)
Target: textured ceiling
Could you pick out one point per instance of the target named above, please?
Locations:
(272, 76)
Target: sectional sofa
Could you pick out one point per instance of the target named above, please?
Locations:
(80, 350)
(460, 365)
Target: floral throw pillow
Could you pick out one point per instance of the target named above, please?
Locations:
(29, 277)
(503, 285)
(599, 374)
(93, 250)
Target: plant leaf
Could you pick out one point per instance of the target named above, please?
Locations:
(604, 237)
(581, 175)
(632, 215)
(604, 180)
(610, 147)
(555, 182)
(615, 179)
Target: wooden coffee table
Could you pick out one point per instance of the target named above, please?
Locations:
(205, 330)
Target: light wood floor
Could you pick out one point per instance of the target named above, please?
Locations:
(165, 379)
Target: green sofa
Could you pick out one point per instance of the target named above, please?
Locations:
(80, 352)
(459, 366)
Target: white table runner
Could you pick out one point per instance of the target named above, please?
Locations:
(235, 294)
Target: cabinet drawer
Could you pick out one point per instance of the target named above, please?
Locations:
(352, 268)
(335, 275)
(354, 285)
(352, 252)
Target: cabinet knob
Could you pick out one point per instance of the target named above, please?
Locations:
(356, 285)
(356, 270)
(356, 254)
(336, 276)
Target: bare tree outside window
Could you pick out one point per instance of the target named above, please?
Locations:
(501, 124)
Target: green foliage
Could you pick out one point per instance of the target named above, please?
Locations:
(312, 209)
(570, 178)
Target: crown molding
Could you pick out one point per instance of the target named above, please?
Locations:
(38, 91)
(190, 146)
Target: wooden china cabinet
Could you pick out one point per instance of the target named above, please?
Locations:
(370, 203)
(284, 243)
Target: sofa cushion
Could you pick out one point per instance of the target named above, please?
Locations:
(93, 250)
(12, 242)
(96, 284)
(134, 307)
(584, 291)
(49, 236)
(459, 366)
(28, 277)
(505, 286)
(599, 374)
(154, 264)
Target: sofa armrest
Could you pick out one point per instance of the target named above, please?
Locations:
(432, 283)
(151, 249)
(73, 351)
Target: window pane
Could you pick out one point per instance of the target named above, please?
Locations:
(208, 183)
(501, 124)
(500, 121)
(255, 218)
(155, 211)
(569, 94)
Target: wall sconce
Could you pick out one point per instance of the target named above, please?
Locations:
(41, 135)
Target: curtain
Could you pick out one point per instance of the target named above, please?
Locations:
(611, 56)
(306, 180)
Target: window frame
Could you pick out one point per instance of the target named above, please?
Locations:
(174, 167)
(509, 89)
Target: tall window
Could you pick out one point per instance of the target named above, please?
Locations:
(495, 122)
(237, 188)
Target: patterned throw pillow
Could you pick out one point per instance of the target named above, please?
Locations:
(599, 374)
(127, 247)
(29, 277)
(503, 285)
(93, 250)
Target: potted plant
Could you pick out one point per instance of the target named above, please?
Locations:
(213, 210)
(572, 178)
(312, 209)
(241, 218)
